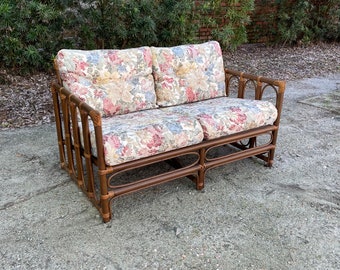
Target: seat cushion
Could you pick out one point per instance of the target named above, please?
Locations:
(188, 73)
(141, 134)
(111, 81)
(224, 116)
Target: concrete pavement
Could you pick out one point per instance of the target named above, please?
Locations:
(247, 217)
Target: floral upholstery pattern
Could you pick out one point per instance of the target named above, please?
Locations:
(188, 73)
(146, 133)
(224, 116)
(126, 85)
(111, 81)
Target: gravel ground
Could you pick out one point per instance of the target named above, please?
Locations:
(288, 63)
(26, 101)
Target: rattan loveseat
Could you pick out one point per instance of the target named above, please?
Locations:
(117, 111)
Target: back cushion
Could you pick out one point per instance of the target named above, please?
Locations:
(111, 81)
(188, 73)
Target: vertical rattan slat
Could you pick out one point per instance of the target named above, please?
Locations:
(258, 89)
(87, 154)
(241, 86)
(77, 145)
(58, 121)
(67, 133)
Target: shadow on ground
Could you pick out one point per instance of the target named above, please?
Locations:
(329, 101)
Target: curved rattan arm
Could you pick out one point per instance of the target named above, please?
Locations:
(76, 100)
(69, 109)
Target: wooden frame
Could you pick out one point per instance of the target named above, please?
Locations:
(95, 178)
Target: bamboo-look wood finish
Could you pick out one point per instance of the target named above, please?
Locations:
(97, 175)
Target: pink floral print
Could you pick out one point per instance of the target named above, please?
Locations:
(188, 73)
(140, 134)
(112, 81)
(224, 116)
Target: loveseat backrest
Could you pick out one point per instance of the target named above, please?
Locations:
(188, 73)
(111, 81)
(122, 81)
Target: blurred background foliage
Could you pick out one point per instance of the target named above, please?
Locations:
(33, 31)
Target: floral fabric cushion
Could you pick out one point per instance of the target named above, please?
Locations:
(111, 81)
(224, 116)
(188, 73)
(140, 134)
